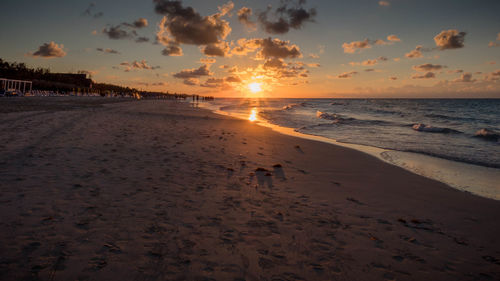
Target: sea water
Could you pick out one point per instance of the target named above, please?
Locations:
(456, 141)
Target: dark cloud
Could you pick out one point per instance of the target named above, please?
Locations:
(450, 39)
(89, 12)
(213, 83)
(137, 65)
(276, 48)
(203, 70)
(268, 48)
(107, 51)
(244, 16)
(287, 17)
(465, 78)
(191, 81)
(142, 39)
(427, 75)
(357, 46)
(370, 69)
(117, 32)
(50, 50)
(216, 50)
(393, 78)
(347, 75)
(428, 67)
(274, 63)
(172, 50)
(233, 79)
(140, 23)
(183, 25)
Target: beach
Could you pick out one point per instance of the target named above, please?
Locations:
(162, 190)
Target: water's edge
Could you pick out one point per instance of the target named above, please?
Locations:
(478, 180)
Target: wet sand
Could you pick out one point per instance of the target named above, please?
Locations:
(157, 190)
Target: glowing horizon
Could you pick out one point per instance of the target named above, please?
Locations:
(237, 49)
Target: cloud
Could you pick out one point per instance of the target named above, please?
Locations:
(347, 75)
(213, 83)
(495, 44)
(428, 67)
(369, 62)
(384, 3)
(416, 53)
(287, 17)
(278, 49)
(465, 78)
(393, 78)
(216, 50)
(172, 50)
(50, 50)
(393, 38)
(183, 25)
(314, 65)
(274, 63)
(428, 75)
(244, 16)
(140, 23)
(117, 32)
(191, 81)
(493, 76)
(137, 65)
(370, 69)
(245, 46)
(89, 12)
(107, 51)
(226, 8)
(450, 39)
(208, 60)
(357, 46)
(203, 70)
(233, 79)
(267, 48)
(455, 71)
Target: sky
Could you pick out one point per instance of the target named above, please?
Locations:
(243, 48)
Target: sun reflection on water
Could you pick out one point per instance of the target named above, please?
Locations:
(253, 115)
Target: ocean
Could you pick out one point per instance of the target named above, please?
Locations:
(456, 141)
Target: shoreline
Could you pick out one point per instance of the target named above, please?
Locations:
(161, 190)
(466, 177)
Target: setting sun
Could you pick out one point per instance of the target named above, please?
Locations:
(255, 87)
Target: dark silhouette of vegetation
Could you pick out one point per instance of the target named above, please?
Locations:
(44, 79)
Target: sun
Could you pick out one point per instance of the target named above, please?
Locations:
(255, 87)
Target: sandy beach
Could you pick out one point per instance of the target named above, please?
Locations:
(159, 190)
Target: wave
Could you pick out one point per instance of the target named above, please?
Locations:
(487, 134)
(294, 105)
(430, 129)
(336, 118)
